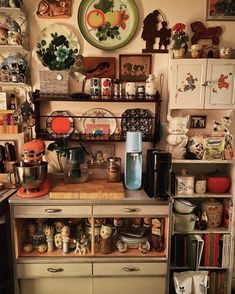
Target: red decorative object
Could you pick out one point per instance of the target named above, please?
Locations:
(54, 8)
(201, 32)
(218, 184)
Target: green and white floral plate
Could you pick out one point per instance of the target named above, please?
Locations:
(108, 24)
(57, 47)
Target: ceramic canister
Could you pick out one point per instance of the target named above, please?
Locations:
(185, 222)
(214, 211)
(185, 184)
(95, 89)
(106, 88)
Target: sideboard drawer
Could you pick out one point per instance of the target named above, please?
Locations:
(126, 269)
(53, 270)
(131, 210)
(52, 211)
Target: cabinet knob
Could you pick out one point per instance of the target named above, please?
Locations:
(53, 210)
(130, 269)
(131, 209)
(55, 270)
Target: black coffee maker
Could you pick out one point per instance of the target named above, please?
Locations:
(158, 173)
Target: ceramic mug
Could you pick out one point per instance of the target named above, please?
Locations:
(107, 231)
(106, 88)
(130, 90)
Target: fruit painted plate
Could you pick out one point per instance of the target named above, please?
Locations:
(98, 116)
(108, 24)
(57, 47)
(60, 124)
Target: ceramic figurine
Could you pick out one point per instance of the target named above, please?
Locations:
(151, 88)
(28, 248)
(130, 90)
(122, 246)
(106, 238)
(144, 247)
(82, 245)
(32, 228)
(156, 227)
(58, 241)
(42, 248)
(58, 226)
(65, 232)
(147, 222)
(203, 222)
(225, 52)
(195, 51)
(177, 138)
(49, 232)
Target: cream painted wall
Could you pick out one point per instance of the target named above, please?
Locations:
(175, 11)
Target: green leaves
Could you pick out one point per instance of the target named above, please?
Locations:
(104, 5)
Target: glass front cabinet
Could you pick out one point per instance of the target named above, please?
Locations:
(89, 246)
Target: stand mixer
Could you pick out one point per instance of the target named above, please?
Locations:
(31, 172)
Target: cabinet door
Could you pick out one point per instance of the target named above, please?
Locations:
(187, 84)
(140, 285)
(220, 89)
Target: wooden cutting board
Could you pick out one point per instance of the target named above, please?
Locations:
(92, 189)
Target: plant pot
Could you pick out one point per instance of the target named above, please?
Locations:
(178, 53)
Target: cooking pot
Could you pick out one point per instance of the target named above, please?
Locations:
(218, 183)
(185, 222)
(183, 206)
(185, 183)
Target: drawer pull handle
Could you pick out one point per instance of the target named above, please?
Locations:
(55, 270)
(130, 269)
(131, 209)
(53, 210)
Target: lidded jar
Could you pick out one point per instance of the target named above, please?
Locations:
(114, 169)
(76, 168)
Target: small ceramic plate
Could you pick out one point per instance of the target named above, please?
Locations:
(14, 69)
(57, 47)
(98, 116)
(108, 24)
(60, 124)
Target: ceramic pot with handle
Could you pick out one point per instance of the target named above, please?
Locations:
(184, 222)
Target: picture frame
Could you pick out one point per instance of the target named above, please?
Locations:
(220, 10)
(100, 67)
(134, 67)
(99, 154)
(197, 121)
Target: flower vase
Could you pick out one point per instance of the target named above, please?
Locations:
(178, 53)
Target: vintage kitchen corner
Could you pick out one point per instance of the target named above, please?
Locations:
(116, 146)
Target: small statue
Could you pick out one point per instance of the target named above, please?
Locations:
(42, 248)
(177, 138)
(106, 238)
(201, 32)
(65, 232)
(58, 241)
(82, 245)
(28, 247)
(122, 246)
(58, 226)
(49, 232)
(203, 222)
(144, 247)
(150, 89)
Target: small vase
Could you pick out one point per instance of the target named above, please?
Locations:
(178, 53)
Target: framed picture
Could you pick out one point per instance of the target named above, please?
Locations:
(99, 154)
(100, 67)
(134, 68)
(198, 121)
(220, 10)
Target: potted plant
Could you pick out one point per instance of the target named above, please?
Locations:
(180, 39)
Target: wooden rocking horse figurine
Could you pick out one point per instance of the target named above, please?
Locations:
(201, 32)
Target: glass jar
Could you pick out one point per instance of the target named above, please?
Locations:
(76, 168)
(114, 169)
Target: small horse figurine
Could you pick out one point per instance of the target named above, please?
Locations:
(201, 32)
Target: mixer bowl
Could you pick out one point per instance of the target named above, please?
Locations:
(29, 176)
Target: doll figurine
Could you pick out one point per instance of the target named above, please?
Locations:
(58, 226)
(49, 232)
(122, 246)
(65, 232)
(106, 239)
(58, 241)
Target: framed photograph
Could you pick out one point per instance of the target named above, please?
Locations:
(220, 10)
(99, 154)
(198, 121)
(100, 67)
(134, 68)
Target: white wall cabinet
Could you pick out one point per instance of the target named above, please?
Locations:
(202, 84)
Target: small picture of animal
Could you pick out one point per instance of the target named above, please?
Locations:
(100, 67)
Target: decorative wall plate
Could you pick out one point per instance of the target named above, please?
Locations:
(136, 120)
(57, 47)
(60, 124)
(108, 24)
(98, 116)
(14, 69)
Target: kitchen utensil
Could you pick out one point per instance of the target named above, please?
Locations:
(185, 183)
(218, 183)
(185, 222)
(60, 124)
(214, 211)
(157, 173)
(183, 206)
